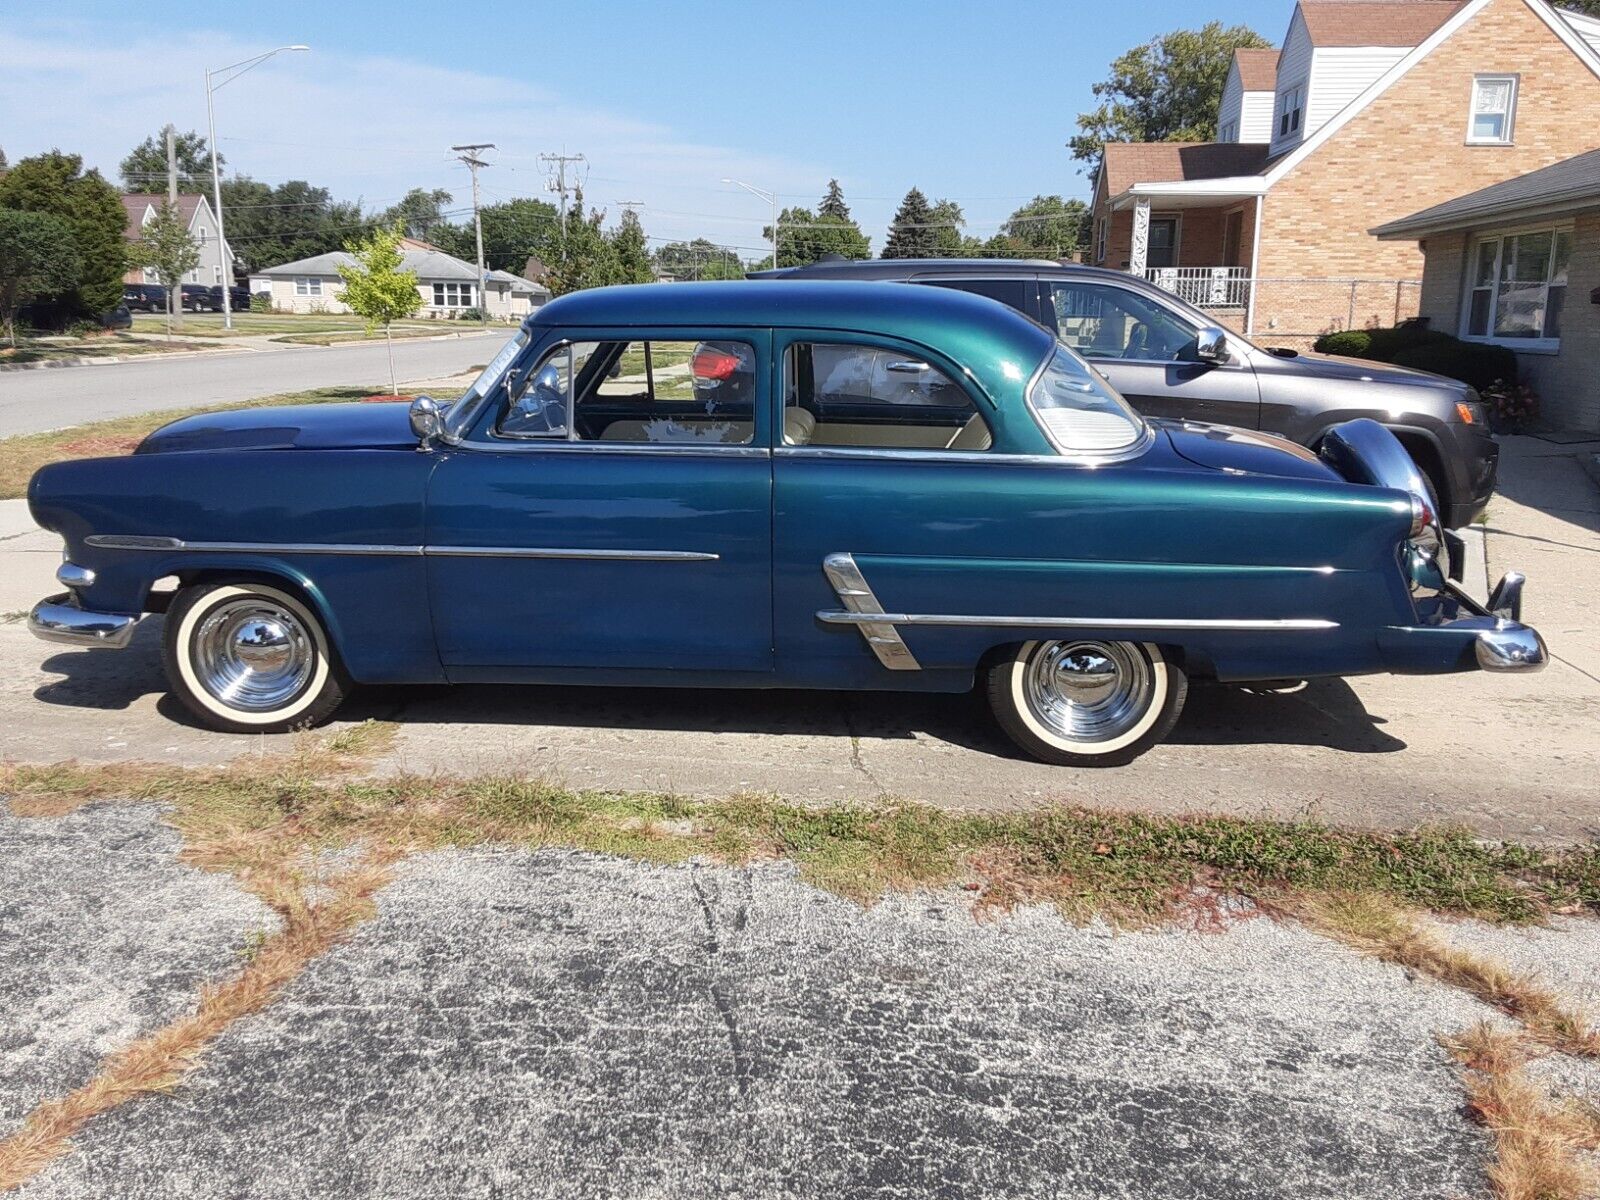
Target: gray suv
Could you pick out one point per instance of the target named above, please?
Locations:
(1172, 360)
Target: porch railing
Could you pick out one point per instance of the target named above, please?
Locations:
(1204, 287)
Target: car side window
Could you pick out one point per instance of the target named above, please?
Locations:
(669, 392)
(1013, 293)
(1102, 321)
(843, 395)
(539, 400)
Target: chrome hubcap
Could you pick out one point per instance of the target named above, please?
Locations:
(1088, 691)
(253, 654)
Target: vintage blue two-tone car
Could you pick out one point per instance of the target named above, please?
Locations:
(818, 485)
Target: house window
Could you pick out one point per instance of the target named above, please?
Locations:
(452, 295)
(1229, 132)
(201, 232)
(1101, 229)
(307, 286)
(1291, 106)
(1494, 103)
(1519, 287)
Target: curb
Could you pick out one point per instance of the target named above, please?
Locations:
(112, 359)
(432, 337)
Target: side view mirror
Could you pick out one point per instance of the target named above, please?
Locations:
(427, 421)
(1212, 345)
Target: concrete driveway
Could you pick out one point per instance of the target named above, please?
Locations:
(1512, 756)
(34, 401)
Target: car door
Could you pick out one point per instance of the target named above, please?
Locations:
(609, 514)
(1147, 350)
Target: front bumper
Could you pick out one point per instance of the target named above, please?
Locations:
(59, 619)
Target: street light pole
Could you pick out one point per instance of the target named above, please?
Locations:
(238, 69)
(772, 199)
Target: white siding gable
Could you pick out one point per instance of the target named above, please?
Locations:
(1341, 73)
(1588, 28)
(1255, 119)
(1232, 102)
(1294, 70)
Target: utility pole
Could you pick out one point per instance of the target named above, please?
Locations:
(175, 292)
(560, 161)
(469, 155)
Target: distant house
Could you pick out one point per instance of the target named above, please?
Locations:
(447, 285)
(1371, 110)
(536, 271)
(142, 207)
(1517, 264)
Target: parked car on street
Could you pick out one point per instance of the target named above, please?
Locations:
(238, 299)
(919, 490)
(196, 297)
(1170, 359)
(144, 297)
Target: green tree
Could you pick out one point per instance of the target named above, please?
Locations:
(633, 255)
(584, 256)
(166, 247)
(948, 219)
(512, 231)
(1167, 90)
(699, 259)
(805, 237)
(418, 212)
(37, 258)
(1049, 227)
(377, 288)
(145, 168)
(268, 225)
(911, 232)
(1589, 8)
(57, 184)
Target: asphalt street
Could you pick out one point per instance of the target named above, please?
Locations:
(34, 401)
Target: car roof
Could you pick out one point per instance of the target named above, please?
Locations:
(917, 268)
(986, 337)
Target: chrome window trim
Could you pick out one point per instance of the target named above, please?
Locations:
(737, 449)
(912, 455)
(1133, 449)
(1224, 624)
(177, 545)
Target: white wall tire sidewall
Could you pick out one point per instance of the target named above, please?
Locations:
(1160, 692)
(195, 616)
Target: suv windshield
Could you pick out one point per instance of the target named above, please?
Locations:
(1079, 411)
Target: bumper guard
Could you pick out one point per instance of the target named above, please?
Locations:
(59, 619)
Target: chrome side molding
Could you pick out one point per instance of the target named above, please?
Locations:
(173, 545)
(1225, 624)
(865, 611)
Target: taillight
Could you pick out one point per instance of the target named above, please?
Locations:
(709, 363)
(1421, 515)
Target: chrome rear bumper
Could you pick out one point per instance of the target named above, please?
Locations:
(59, 619)
(1503, 643)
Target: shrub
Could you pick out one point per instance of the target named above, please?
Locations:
(1511, 406)
(1386, 345)
(1470, 362)
(260, 302)
(1352, 343)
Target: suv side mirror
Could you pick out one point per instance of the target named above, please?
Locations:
(427, 421)
(1211, 345)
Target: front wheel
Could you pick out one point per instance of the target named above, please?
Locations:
(1086, 703)
(248, 658)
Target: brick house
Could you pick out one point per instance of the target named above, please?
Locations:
(142, 207)
(1518, 264)
(1371, 110)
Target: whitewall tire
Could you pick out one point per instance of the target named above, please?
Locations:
(250, 658)
(1084, 702)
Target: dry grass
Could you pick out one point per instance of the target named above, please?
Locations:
(21, 456)
(1540, 1144)
(1376, 926)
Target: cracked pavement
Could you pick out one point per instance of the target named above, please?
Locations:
(548, 1023)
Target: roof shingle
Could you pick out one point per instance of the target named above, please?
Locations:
(1375, 22)
(135, 204)
(1128, 163)
(1258, 69)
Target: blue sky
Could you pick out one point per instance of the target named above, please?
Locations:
(967, 101)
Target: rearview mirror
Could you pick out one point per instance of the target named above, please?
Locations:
(427, 421)
(1211, 345)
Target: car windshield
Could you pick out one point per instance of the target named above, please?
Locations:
(489, 377)
(1080, 412)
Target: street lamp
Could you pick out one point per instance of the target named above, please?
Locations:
(772, 199)
(238, 69)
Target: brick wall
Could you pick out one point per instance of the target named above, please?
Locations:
(1568, 383)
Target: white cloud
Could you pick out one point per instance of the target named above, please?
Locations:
(369, 126)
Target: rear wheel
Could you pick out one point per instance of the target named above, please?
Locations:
(1086, 703)
(249, 658)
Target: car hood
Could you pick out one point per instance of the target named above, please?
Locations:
(1224, 448)
(376, 426)
(1329, 366)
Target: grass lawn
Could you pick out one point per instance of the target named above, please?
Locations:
(250, 324)
(21, 456)
(113, 345)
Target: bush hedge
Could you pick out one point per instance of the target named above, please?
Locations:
(1416, 346)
